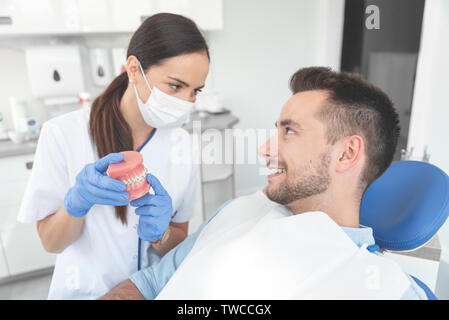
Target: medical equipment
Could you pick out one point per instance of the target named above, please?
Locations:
(94, 187)
(406, 207)
(33, 130)
(132, 173)
(19, 113)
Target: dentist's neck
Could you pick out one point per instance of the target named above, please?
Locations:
(140, 130)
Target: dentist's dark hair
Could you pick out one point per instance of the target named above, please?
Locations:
(159, 37)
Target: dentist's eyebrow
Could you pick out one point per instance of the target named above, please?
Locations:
(180, 81)
(184, 83)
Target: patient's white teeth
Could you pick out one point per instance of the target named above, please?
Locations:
(268, 171)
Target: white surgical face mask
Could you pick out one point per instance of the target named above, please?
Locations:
(162, 110)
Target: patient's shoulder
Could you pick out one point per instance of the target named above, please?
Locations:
(219, 210)
(414, 292)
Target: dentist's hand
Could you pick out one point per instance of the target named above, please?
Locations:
(155, 211)
(93, 186)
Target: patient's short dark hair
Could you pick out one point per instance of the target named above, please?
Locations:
(354, 107)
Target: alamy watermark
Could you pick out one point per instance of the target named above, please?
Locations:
(372, 21)
(229, 146)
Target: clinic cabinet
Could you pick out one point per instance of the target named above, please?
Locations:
(20, 247)
(59, 17)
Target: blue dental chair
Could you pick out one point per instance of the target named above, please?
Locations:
(406, 207)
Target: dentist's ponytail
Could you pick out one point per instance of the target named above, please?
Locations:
(159, 37)
(108, 129)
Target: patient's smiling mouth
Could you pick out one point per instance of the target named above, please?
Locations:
(275, 172)
(274, 169)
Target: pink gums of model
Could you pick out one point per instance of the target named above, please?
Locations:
(132, 172)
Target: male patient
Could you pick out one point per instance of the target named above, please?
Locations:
(335, 136)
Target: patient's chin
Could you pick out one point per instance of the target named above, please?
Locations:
(285, 193)
(277, 194)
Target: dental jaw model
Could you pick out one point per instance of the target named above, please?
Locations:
(132, 172)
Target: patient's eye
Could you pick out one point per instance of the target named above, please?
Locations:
(289, 131)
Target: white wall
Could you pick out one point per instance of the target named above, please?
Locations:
(262, 44)
(428, 125)
(429, 121)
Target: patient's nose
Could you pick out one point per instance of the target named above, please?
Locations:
(269, 148)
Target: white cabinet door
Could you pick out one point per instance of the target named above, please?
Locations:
(71, 16)
(94, 16)
(15, 168)
(128, 15)
(23, 250)
(21, 245)
(43, 16)
(99, 16)
(14, 174)
(207, 14)
(112, 15)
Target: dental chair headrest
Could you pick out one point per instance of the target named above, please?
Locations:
(407, 205)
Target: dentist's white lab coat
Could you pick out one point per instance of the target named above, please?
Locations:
(105, 253)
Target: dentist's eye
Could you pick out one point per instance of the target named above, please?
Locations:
(175, 87)
(196, 91)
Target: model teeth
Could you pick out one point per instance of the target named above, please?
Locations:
(137, 179)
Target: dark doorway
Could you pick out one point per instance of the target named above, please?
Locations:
(386, 56)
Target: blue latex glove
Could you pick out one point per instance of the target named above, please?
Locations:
(155, 211)
(93, 186)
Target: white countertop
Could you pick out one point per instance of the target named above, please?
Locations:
(10, 149)
(219, 121)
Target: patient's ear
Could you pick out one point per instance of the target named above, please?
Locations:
(350, 152)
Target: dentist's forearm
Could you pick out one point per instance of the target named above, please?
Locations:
(59, 230)
(124, 291)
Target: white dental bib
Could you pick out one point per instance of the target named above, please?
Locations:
(256, 249)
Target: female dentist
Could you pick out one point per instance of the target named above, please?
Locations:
(71, 197)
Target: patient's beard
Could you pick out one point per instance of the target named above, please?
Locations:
(303, 185)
